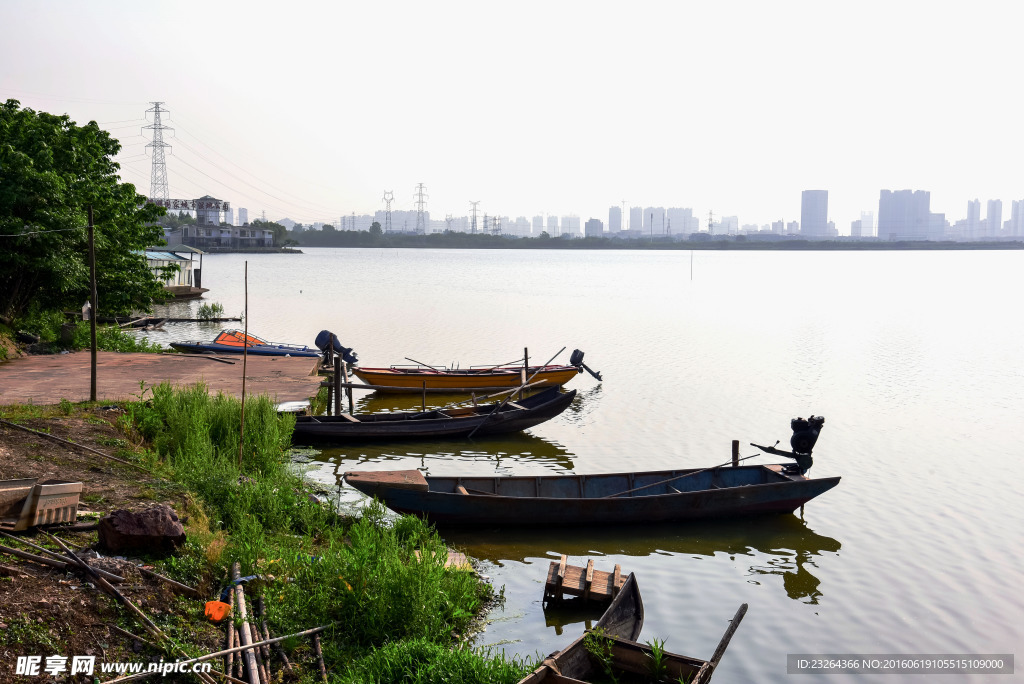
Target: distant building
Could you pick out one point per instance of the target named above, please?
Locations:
(243, 216)
(571, 226)
(636, 218)
(793, 228)
(538, 225)
(553, 226)
(594, 227)
(234, 237)
(778, 227)
(681, 221)
(994, 218)
(654, 221)
(867, 224)
(1017, 219)
(614, 219)
(855, 228)
(972, 230)
(729, 225)
(814, 213)
(906, 215)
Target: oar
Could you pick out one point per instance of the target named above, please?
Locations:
(506, 399)
(673, 479)
(438, 370)
(484, 370)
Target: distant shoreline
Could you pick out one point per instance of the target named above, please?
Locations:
(469, 241)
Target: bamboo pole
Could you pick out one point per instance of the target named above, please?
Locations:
(680, 477)
(261, 667)
(319, 657)
(261, 609)
(59, 564)
(506, 399)
(218, 654)
(177, 586)
(74, 444)
(229, 659)
(348, 385)
(93, 304)
(245, 358)
(246, 637)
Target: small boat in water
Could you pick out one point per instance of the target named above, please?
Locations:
(473, 379)
(236, 341)
(611, 650)
(484, 419)
(602, 499)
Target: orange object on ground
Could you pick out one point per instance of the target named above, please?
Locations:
(217, 610)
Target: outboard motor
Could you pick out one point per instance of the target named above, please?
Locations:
(323, 342)
(805, 435)
(576, 359)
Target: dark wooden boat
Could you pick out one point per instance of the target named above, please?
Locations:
(415, 379)
(512, 416)
(614, 498)
(616, 634)
(235, 341)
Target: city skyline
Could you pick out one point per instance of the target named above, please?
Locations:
(566, 109)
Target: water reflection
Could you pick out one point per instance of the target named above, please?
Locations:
(501, 454)
(784, 546)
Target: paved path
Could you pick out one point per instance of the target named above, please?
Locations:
(48, 379)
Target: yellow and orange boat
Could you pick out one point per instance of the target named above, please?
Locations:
(404, 378)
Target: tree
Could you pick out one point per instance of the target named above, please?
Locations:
(375, 230)
(280, 232)
(51, 171)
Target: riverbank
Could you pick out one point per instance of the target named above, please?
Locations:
(375, 580)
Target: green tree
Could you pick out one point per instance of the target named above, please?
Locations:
(51, 171)
(375, 230)
(280, 232)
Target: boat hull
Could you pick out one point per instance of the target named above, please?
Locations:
(738, 492)
(408, 425)
(462, 380)
(256, 350)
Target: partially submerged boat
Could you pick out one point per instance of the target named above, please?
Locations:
(485, 419)
(612, 498)
(236, 341)
(612, 648)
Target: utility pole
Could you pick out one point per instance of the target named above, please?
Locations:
(92, 306)
(711, 226)
(421, 205)
(158, 178)
(472, 212)
(389, 197)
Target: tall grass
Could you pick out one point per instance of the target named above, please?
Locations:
(380, 581)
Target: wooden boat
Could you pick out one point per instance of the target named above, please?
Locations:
(615, 635)
(234, 341)
(485, 419)
(614, 498)
(415, 378)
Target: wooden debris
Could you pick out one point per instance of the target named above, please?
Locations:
(178, 587)
(319, 657)
(570, 580)
(248, 654)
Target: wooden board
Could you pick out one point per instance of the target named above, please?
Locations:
(571, 580)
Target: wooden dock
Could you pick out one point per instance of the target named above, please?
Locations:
(590, 584)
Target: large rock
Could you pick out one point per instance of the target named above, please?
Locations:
(155, 530)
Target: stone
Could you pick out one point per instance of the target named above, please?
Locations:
(156, 529)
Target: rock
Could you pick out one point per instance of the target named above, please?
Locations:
(155, 529)
(26, 337)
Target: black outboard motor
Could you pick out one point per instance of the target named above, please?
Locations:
(323, 342)
(576, 359)
(805, 435)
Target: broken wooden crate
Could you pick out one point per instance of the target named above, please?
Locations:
(590, 584)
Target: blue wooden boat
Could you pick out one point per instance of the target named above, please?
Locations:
(235, 341)
(613, 498)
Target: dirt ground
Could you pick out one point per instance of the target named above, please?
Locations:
(49, 612)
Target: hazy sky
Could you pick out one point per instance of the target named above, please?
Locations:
(311, 110)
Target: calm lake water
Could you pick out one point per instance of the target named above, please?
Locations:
(914, 359)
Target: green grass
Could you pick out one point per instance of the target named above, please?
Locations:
(392, 612)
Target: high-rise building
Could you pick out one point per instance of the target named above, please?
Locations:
(973, 228)
(636, 218)
(243, 216)
(867, 224)
(654, 220)
(905, 215)
(994, 218)
(1017, 219)
(553, 226)
(814, 213)
(614, 219)
(594, 227)
(571, 226)
(538, 225)
(680, 221)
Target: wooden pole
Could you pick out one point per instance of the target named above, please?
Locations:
(423, 405)
(319, 657)
(93, 303)
(245, 358)
(735, 452)
(348, 385)
(526, 368)
(74, 444)
(229, 658)
(337, 386)
(245, 637)
(673, 479)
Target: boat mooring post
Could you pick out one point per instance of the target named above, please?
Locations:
(348, 385)
(337, 387)
(424, 404)
(735, 453)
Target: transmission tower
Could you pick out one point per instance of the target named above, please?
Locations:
(496, 225)
(448, 221)
(473, 213)
(485, 223)
(421, 206)
(711, 225)
(158, 182)
(353, 220)
(389, 197)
